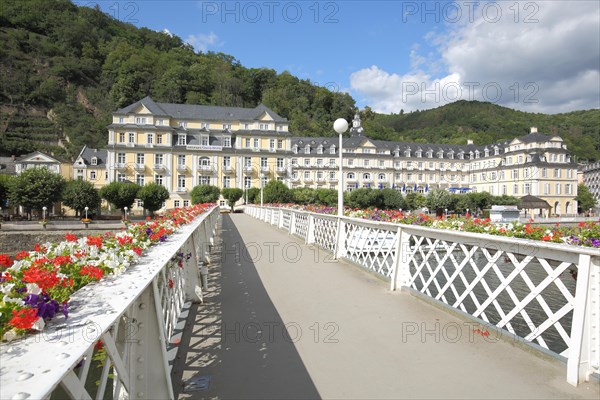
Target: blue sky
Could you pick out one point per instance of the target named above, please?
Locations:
(540, 56)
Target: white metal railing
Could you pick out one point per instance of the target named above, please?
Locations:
(544, 293)
(133, 315)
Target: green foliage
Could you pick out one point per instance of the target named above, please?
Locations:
(36, 188)
(79, 194)
(392, 199)
(205, 194)
(276, 192)
(153, 195)
(4, 189)
(304, 195)
(439, 198)
(364, 198)
(585, 198)
(327, 197)
(232, 195)
(253, 195)
(415, 201)
(120, 194)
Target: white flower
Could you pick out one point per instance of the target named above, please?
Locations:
(39, 324)
(33, 288)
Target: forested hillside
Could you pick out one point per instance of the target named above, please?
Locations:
(64, 69)
(486, 123)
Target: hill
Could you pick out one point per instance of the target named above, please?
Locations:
(486, 123)
(64, 69)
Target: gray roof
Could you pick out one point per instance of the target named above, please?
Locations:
(202, 112)
(87, 153)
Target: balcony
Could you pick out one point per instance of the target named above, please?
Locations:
(227, 169)
(320, 180)
(181, 190)
(264, 169)
(181, 168)
(206, 168)
(308, 179)
(351, 179)
(332, 179)
(139, 167)
(159, 167)
(248, 169)
(130, 144)
(295, 179)
(121, 167)
(281, 170)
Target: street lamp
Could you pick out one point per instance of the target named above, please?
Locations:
(86, 210)
(125, 209)
(44, 212)
(340, 126)
(446, 212)
(467, 215)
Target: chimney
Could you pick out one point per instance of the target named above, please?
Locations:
(533, 129)
(469, 141)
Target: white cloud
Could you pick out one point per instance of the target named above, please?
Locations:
(201, 42)
(552, 65)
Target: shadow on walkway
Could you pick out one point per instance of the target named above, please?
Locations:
(238, 333)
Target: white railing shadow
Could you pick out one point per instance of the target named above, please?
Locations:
(544, 294)
(133, 315)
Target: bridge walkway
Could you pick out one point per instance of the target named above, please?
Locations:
(281, 320)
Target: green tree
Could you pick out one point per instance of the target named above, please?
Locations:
(120, 194)
(153, 195)
(79, 194)
(4, 189)
(253, 195)
(327, 197)
(415, 201)
(205, 194)
(392, 199)
(364, 198)
(36, 188)
(303, 195)
(439, 198)
(276, 192)
(585, 198)
(232, 195)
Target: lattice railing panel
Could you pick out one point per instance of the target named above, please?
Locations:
(301, 225)
(326, 232)
(530, 296)
(371, 247)
(286, 219)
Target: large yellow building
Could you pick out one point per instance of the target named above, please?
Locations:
(183, 145)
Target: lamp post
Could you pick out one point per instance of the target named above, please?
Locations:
(86, 210)
(446, 212)
(44, 212)
(467, 215)
(340, 126)
(125, 209)
(261, 191)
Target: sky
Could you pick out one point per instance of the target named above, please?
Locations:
(537, 56)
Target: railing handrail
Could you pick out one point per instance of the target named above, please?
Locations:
(509, 240)
(33, 366)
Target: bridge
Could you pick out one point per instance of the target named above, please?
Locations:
(291, 304)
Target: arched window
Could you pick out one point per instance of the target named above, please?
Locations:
(366, 176)
(381, 177)
(350, 175)
(204, 162)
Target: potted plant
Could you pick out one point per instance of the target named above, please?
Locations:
(86, 222)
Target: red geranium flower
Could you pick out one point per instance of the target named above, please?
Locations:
(92, 271)
(45, 279)
(171, 284)
(5, 261)
(23, 319)
(70, 237)
(21, 255)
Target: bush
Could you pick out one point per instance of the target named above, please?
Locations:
(364, 198)
(205, 194)
(327, 197)
(304, 196)
(253, 195)
(392, 199)
(276, 192)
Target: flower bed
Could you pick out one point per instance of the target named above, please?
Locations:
(36, 285)
(584, 234)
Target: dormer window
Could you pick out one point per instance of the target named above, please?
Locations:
(264, 127)
(121, 120)
(419, 153)
(94, 161)
(486, 152)
(295, 149)
(226, 127)
(332, 149)
(430, 154)
(451, 155)
(320, 150)
(307, 149)
(440, 154)
(461, 156)
(226, 141)
(496, 151)
(407, 153)
(140, 120)
(181, 139)
(476, 153)
(204, 140)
